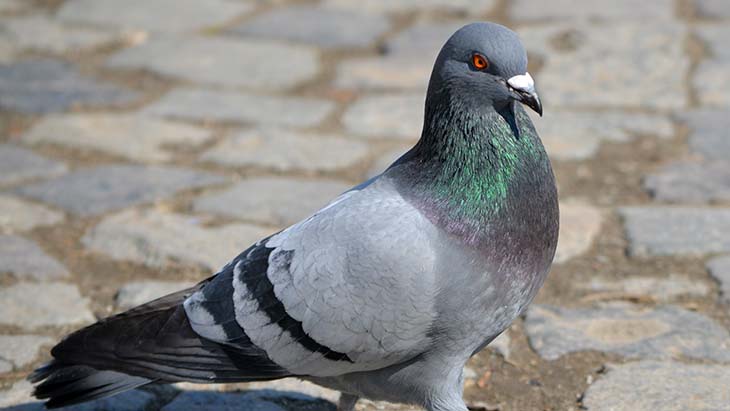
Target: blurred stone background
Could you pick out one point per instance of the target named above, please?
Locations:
(145, 142)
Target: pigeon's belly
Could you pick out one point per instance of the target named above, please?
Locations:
(482, 293)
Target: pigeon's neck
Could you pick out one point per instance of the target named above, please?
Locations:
(471, 165)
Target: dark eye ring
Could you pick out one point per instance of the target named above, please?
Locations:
(479, 62)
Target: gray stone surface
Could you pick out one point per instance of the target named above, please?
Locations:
(140, 292)
(685, 182)
(622, 10)
(636, 332)
(201, 104)
(32, 306)
(21, 350)
(320, 26)
(386, 159)
(712, 8)
(294, 385)
(383, 72)
(189, 15)
(577, 135)
(155, 238)
(137, 137)
(660, 289)
(209, 401)
(381, 116)
(712, 76)
(19, 215)
(278, 201)
(18, 164)
(223, 61)
(25, 259)
(96, 190)
(19, 398)
(659, 230)
(44, 34)
(422, 41)
(283, 150)
(404, 64)
(9, 6)
(585, 64)
(5, 366)
(719, 268)
(473, 7)
(665, 386)
(709, 133)
(580, 223)
(44, 85)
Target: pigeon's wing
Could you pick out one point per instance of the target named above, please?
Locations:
(349, 289)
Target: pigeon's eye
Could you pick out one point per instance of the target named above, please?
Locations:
(480, 62)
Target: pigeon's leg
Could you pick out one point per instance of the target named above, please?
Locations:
(347, 402)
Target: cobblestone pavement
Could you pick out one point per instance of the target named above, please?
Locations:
(132, 134)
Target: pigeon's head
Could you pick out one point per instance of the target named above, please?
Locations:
(484, 64)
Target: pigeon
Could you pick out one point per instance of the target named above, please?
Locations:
(387, 291)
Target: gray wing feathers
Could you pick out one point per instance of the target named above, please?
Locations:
(349, 289)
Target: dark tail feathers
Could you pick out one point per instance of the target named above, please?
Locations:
(150, 343)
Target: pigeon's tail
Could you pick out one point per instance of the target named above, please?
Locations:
(150, 343)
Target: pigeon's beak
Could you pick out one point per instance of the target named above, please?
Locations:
(524, 89)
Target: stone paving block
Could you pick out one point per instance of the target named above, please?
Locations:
(11, 6)
(320, 26)
(585, 64)
(226, 106)
(580, 223)
(19, 398)
(712, 76)
(43, 85)
(713, 9)
(61, 305)
(661, 289)
(141, 292)
(709, 133)
(277, 201)
(223, 61)
(663, 230)
(719, 268)
(635, 332)
(574, 135)
(44, 34)
(385, 72)
(405, 63)
(19, 215)
(530, 10)
(423, 41)
(7, 51)
(711, 79)
(381, 116)
(684, 182)
(294, 385)
(96, 190)
(137, 137)
(209, 401)
(385, 160)
(18, 165)
(285, 150)
(474, 7)
(189, 15)
(25, 259)
(22, 350)
(155, 238)
(666, 386)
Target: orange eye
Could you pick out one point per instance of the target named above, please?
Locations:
(479, 61)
